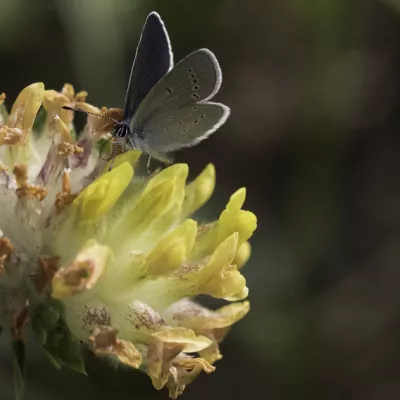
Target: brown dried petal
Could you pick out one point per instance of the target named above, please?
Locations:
(6, 248)
(47, 267)
(104, 342)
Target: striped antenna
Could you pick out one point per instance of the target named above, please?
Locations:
(91, 113)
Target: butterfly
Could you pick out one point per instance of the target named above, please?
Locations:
(167, 107)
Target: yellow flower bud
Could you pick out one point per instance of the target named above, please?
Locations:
(172, 250)
(199, 191)
(100, 196)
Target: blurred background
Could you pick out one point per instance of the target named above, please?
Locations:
(314, 136)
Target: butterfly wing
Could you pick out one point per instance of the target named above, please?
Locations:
(152, 61)
(176, 112)
(183, 127)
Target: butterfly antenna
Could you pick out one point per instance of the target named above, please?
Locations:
(91, 113)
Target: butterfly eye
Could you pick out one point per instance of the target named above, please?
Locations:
(180, 123)
(194, 108)
(196, 121)
(196, 87)
(169, 118)
(195, 96)
(184, 131)
(190, 70)
(202, 116)
(166, 129)
(194, 81)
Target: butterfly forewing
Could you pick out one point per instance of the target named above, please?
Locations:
(197, 77)
(152, 61)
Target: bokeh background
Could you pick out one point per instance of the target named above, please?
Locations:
(314, 135)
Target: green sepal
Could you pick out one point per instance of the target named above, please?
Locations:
(52, 360)
(40, 335)
(70, 354)
(55, 337)
(51, 331)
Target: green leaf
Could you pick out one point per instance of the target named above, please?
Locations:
(19, 367)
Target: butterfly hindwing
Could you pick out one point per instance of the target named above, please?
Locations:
(171, 130)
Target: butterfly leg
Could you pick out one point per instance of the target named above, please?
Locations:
(148, 164)
(114, 153)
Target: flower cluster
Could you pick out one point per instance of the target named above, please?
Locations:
(109, 259)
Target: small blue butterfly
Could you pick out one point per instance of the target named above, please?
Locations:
(167, 107)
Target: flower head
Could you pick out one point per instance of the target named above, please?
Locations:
(108, 258)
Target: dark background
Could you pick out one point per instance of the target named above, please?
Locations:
(314, 135)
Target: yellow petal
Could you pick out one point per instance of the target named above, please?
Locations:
(186, 337)
(151, 205)
(83, 272)
(194, 316)
(232, 219)
(26, 106)
(179, 172)
(242, 294)
(172, 250)
(211, 354)
(158, 205)
(81, 96)
(230, 314)
(219, 277)
(62, 129)
(100, 196)
(68, 91)
(242, 254)
(199, 191)
(54, 100)
(183, 371)
(2, 98)
(158, 361)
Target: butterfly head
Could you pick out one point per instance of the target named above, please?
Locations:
(121, 130)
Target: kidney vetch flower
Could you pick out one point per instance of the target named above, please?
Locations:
(111, 260)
